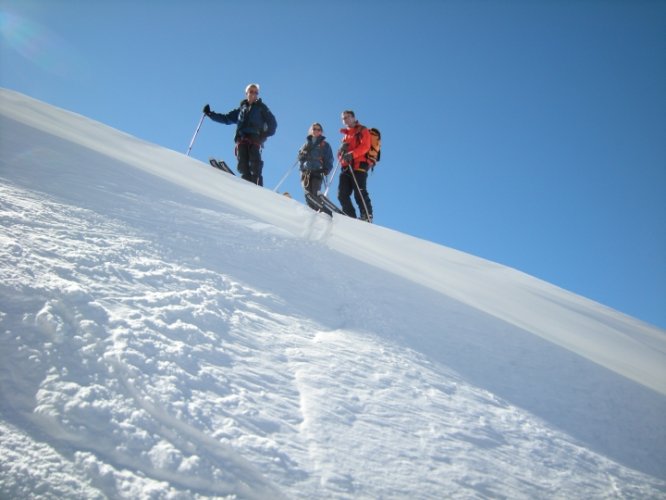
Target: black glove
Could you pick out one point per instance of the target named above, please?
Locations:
(206, 110)
(343, 149)
(302, 156)
(348, 158)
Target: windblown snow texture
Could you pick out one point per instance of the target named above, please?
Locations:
(170, 331)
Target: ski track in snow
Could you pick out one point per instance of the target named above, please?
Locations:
(155, 344)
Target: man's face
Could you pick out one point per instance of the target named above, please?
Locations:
(252, 94)
(348, 120)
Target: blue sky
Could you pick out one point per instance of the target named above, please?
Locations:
(528, 133)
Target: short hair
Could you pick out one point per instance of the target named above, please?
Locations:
(349, 112)
(255, 85)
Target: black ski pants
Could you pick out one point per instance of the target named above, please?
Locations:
(250, 165)
(347, 186)
(311, 182)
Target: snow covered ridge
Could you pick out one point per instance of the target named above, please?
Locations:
(615, 341)
(170, 331)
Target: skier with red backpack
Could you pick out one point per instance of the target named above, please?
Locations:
(355, 163)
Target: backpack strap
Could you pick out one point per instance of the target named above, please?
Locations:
(359, 133)
(359, 138)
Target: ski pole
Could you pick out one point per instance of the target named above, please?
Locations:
(196, 132)
(359, 191)
(284, 177)
(330, 182)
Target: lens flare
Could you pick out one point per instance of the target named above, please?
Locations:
(34, 42)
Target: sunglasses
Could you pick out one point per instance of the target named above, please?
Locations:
(316, 129)
(252, 92)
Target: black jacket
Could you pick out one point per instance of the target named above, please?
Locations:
(254, 122)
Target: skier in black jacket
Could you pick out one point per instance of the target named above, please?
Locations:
(254, 124)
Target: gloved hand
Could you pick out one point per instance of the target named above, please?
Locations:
(343, 149)
(348, 158)
(302, 156)
(206, 110)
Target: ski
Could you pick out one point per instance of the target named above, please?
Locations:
(221, 165)
(316, 202)
(329, 204)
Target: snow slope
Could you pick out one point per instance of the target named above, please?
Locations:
(170, 331)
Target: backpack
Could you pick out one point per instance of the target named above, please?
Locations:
(375, 152)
